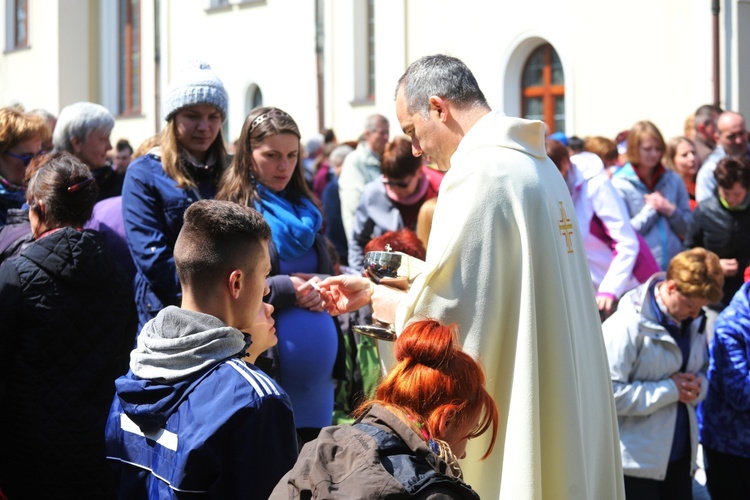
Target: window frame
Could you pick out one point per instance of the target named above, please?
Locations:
(548, 91)
(128, 76)
(12, 22)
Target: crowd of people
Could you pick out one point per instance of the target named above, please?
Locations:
(178, 318)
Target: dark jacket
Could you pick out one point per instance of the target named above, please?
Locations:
(9, 198)
(378, 457)
(152, 210)
(727, 234)
(192, 417)
(68, 323)
(15, 235)
(108, 181)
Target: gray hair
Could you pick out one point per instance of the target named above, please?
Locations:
(372, 121)
(79, 120)
(443, 76)
(706, 114)
(43, 113)
(337, 155)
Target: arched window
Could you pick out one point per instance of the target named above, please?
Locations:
(543, 89)
(253, 98)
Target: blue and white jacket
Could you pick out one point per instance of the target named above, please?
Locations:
(725, 414)
(192, 419)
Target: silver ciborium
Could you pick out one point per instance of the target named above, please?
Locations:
(394, 269)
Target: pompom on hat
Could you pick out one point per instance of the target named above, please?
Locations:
(195, 84)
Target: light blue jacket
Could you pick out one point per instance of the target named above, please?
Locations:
(662, 234)
(642, 358)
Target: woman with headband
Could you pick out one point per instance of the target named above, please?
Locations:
(267, 174)
(68, 327)
(184, 168)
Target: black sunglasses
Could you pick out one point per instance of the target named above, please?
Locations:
(26, 159)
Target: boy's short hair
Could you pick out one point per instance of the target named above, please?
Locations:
(216, 238)
(697, 274)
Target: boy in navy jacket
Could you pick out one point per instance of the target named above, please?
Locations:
(190, 416)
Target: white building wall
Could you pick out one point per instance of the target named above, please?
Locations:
(645, 59)
(30, 76)
(269, 44)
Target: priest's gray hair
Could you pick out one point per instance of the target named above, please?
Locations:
(443, 76)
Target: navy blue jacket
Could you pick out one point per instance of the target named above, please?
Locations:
(724, 416)
(152, 207)
(227, 432)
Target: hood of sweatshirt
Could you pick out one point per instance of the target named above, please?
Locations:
(174, 351)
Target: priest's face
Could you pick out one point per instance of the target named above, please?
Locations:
(428, 134)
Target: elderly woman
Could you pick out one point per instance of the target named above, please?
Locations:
(393, 201)
(68, 323)
(406, 443)
(657, 358)
(83, 129)
(159, 186)
(21, 138)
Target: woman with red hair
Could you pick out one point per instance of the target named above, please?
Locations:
(408, 439)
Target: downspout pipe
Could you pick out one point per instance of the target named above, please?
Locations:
(715, 8)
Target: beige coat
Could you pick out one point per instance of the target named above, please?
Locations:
(506, 263)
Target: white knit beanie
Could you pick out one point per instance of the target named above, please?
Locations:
(195, 84)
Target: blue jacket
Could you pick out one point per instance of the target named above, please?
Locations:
(663, 234)
(226, 432)
(725, 414)
(152, 208)
(9, 198)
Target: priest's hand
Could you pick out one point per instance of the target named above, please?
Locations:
(385, 300)
(345, 293)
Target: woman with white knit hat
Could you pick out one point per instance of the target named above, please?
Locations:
(184, 168)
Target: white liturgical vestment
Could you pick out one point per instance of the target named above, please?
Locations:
(506, 263)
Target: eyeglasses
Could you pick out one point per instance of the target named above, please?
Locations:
(400, 184)
(26, 159)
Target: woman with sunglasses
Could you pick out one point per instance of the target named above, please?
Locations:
(68, 327)
(21, 138)
(393, 201)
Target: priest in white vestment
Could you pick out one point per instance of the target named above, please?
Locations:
(505, 261)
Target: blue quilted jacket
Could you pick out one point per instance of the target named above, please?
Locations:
(725, 414)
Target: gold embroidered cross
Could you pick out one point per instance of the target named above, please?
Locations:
(566, 227)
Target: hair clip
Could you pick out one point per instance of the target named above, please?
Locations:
(265, 116)
(80, 185)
